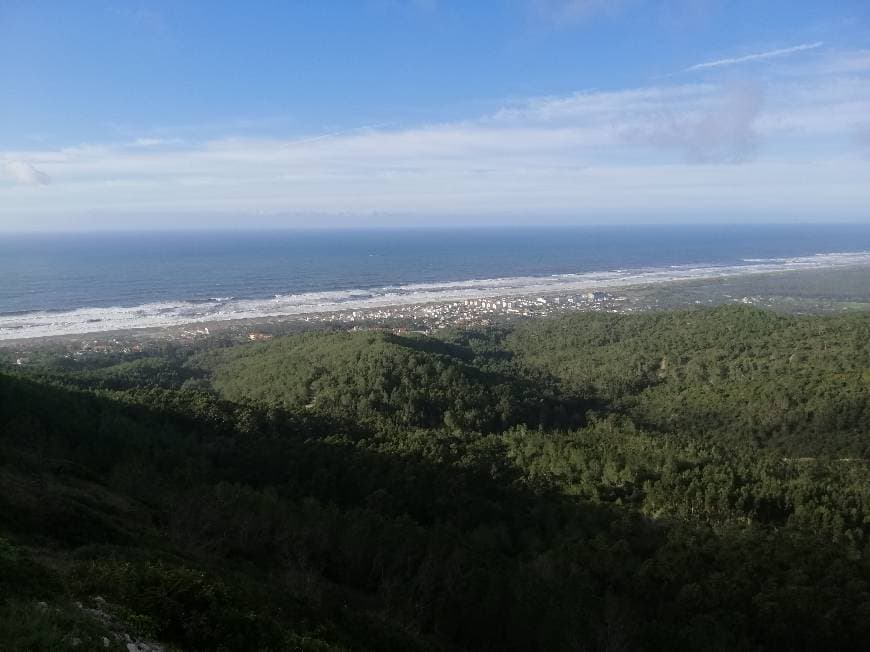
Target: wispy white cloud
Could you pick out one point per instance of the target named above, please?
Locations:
(704, 123)
(154, 142)
(787, 145)
(770, 54)
(24, 173)
(847, 63)
(724, 132)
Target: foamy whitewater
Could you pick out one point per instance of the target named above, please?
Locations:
(166, 313)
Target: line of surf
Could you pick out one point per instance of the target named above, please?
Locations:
(168, 313)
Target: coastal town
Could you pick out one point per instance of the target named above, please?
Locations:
(422, 318)
(784, 293)
(419, 318)
(469, 313)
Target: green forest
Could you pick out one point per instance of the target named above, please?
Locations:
(677, 480)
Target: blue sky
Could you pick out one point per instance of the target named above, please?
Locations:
(188, 114)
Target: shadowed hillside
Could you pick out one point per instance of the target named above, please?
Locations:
(435, 496)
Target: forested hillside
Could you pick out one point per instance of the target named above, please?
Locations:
(731, 375)
(679, 480)
(383, 380)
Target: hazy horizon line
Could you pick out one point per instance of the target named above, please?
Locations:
(429, 227)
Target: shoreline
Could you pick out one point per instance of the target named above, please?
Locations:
(481, 308)
(372, 317)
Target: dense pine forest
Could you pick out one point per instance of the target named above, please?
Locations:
(671, 480)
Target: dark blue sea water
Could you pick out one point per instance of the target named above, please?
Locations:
(229, 272)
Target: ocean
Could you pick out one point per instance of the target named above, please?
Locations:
(86, 282)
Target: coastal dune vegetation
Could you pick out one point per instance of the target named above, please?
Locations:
(672, 480)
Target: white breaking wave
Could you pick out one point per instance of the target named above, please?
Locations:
(164, 314)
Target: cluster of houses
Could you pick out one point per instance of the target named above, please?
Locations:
(469, 312)
(422, 317)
